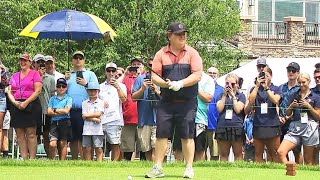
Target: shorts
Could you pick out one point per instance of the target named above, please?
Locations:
(230, 134)
(179, 116)
(212, 143)
(249, 154)
(128, 138)
(112, 133)
(306, 134)
(266, 132)
(201, 141)
(6, 120)
(44, 125)
(3, 102)
(27, 117)
(76, 124)
(146, 138)
(60, 130)
(92, 140)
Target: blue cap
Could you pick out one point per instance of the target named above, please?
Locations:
(93, 85)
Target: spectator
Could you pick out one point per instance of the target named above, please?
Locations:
(48, 90)
(230, 123)
(181, 66)
(213, 116)
(3, 105)
(146, 94)
(304, 109)
(23, 92)
(92, 111)
(120, 72)
(316, 89)
(130, 112)
(287, 89)
(261, 64)
(51, 68)
(249, 153)
(6, 122)
(113, 93)
(266, 125)
(60, 128)
(213, 72)
(78, 80)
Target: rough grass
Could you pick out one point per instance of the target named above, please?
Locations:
(45, 169)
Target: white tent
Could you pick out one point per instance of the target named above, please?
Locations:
(278, 66)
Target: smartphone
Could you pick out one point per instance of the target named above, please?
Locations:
(42, 66)
(298, 97)
(79, 74)
(262, 74)
(148, 76)
(133, 69)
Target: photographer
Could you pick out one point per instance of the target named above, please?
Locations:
(266, 125)
(304, 109)
(146, 94)
(229, 129)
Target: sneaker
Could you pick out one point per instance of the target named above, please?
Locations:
(188, 173)
(155, 172)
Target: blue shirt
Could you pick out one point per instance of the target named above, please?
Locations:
(316, 89)
(78, 92)
(146, 112)
(237, 119)
(56, 102)
(213, 113)
(248, 126)
(270, 119)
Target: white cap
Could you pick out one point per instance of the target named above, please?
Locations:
(111, 65)
(48, 58)
(38, 57)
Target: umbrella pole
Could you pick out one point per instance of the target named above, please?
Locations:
(68, 45)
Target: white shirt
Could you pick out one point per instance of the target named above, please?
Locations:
(89, 127)
(57, 75)
(113, 113)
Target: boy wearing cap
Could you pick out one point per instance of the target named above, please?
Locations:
(60, 128)
(92, 111)
(113, 93)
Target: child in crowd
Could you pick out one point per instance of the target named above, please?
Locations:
(60, 130)
(92, 110)
(249, 147)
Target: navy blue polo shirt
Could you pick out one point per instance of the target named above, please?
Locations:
(213, 113)
(314, 101)
(270, 119)
(237, 119)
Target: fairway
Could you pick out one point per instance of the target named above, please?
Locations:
(43, 169)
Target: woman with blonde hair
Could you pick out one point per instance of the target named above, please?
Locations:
(229, 131)
(304, 109)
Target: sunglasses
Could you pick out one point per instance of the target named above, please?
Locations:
(232, 84)
(110, 70)
(317, 77)
(261, 66)
(40, 62)
(78, 57)
(61, 86)
(291, 70)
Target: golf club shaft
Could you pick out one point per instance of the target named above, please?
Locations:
(149, 68)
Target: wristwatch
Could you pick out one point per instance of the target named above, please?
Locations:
(54, 110)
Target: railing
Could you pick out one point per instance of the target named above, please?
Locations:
(269, 32)
(311, 34)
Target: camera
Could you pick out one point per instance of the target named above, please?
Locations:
(133, 69)
(42, 66)
(262, 74)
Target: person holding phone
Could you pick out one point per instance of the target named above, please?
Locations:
(229, 129)
(78, 80)
(264, 98)
(304, 109)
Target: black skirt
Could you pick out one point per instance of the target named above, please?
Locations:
(266, 132)
(27, 117)
(230, 134)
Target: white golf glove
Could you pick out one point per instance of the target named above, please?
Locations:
(176, 85)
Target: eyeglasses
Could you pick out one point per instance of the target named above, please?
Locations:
(212, 73)
(61, 86)
(229, 83)
(110, 70)
(261, 66)
(78, 57)
(291, 70)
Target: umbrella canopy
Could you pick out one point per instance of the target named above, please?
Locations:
(68, 24)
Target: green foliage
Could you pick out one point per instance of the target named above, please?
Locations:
(140, 24)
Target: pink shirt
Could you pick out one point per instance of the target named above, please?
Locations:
(24, 88)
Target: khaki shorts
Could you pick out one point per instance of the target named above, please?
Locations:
(128, 138)
(212, 143)
(146, 138)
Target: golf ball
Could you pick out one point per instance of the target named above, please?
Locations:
(129, 177)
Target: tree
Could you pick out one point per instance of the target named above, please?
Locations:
(140, 24)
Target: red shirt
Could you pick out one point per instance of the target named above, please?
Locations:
(129, 108)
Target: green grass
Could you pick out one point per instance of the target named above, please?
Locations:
(44, 169)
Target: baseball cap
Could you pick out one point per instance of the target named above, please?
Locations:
(62, 81)
(48, 58)
(25, 57)
(78, 53)
(93, 86)
(294, 65)
(38, 57)
(177, 27)
(262, 61)
(135, 59)
(111, 65)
